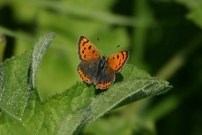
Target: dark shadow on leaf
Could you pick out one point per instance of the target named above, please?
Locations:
(88, 85)
(98, 91)
(119, 77)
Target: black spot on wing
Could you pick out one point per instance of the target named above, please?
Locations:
(85, 42)
(122, 54)
(89, 47)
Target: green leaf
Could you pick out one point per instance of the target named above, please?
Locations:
(38, 53)
(15, 78)
(129, 90)
(70, 111)
(80, 105)
(14, 84)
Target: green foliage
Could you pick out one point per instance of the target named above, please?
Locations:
(163, 37)
(17, 77)
(15, 84)
(68, 112)
(195, 11)
(2, 45)
(38, 53)
(59, 57)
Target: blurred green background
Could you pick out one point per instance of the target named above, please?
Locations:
(164, 38)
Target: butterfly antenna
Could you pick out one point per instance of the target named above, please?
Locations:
(98, 40)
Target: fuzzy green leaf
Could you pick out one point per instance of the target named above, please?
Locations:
(17, 76)
(38, 53)
(14, 84)
(135, 86)
(66, 113)
(80, 105)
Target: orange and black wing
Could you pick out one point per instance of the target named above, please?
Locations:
(87, 51)
(117, 60)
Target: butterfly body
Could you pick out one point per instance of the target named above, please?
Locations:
(101, 63)
(98, 69)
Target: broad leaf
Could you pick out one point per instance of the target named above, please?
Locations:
(80, 105)
(14, 84)
(17, 77)
(66, 113)
(135, 86)
(38, 53)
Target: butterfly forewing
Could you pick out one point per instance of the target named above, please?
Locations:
(117, 60)
(87, 51)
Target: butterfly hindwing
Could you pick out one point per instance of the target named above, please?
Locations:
(87, 51)
(117, 60)
(105, 78)
(87, 71)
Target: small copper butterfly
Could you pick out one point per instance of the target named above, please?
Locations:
(98, 69)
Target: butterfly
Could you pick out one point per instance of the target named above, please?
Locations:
(98, 69)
